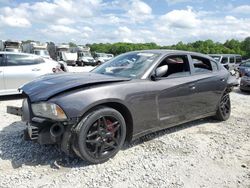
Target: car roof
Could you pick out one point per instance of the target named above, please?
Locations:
(166, 52)
(225, 55)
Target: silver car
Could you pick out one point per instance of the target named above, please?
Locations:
(17, 69)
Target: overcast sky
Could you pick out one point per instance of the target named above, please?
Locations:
(87, 21)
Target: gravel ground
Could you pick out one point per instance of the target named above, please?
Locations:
(204, 153)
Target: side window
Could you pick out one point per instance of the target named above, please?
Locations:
(201, 65)
(224, 60)
(1, 59)
(231, 60)
(20, 60)
(214, 65)
(238, 59)
(178, 66)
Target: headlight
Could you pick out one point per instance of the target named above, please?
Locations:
(48, 110)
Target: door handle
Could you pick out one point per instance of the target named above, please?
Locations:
(36, 69)
(192, 86)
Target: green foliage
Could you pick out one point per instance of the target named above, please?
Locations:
(207, 47)
(71, 44)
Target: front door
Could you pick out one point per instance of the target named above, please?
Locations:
(175, 100)
(176, 89)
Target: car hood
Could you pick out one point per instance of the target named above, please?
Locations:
(47, 86)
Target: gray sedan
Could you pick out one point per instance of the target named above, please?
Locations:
(93, 114)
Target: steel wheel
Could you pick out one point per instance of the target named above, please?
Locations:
(100, 135)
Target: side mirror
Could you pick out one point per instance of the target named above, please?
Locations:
(160, 71)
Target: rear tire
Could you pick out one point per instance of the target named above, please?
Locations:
(100, 135)
(224, 108)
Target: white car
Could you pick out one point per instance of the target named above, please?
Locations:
(103, 57)
(17, 69)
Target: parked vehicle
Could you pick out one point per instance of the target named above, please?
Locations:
(10, 46)
(102, 57)
(244, 67)
(64, 54)
(136, 93)
(245, 82)
(17, 69)
(84, 56)
(229, 61)
(36, 48)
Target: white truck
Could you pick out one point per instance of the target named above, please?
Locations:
(36, 48)
(84, 56)
(64, 55)
(10, 46)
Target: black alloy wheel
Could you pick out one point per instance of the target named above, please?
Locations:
(100, 135)
(224, 108)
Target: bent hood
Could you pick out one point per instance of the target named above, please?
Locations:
(47, 86)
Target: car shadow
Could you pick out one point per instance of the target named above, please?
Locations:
(20, 152)
(170, 130)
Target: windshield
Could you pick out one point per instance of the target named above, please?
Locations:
(216, 58)
(131, 65)
(246, 64)
(101, 55)
(85, 54)
(11, 50)
(41, 52)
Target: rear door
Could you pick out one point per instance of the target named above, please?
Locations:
(20, 69)
(209, 86)
(2, 85)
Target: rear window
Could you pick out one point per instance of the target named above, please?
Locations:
(224, 60)
(201, 65)
(216, 58)
(238, 59)
(231, 59)
(214, 65)
(19, 60)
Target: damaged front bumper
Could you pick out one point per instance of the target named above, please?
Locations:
(45, 131)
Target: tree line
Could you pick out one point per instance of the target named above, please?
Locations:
(207, 47)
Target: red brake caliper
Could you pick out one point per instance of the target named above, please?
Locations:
(110, 127)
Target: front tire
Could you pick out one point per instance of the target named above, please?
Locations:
(100, 135)
(224, 108)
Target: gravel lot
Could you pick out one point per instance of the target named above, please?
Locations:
(204, 153)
